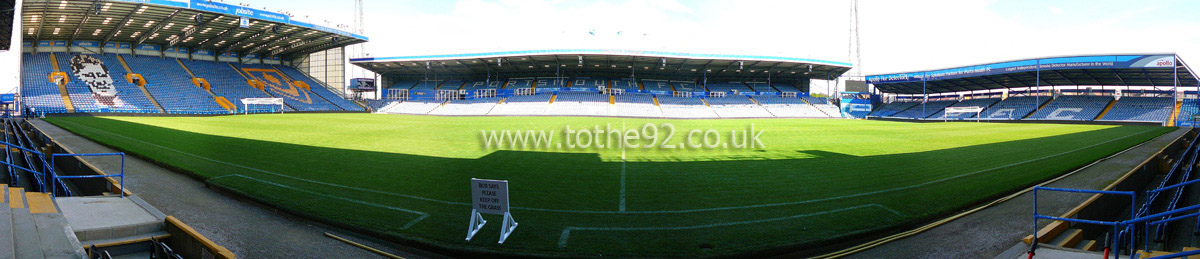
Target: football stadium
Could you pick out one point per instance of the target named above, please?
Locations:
(241, 132)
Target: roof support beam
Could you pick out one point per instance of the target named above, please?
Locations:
(194, 29)
(243, 40)
(45, 10)
(120, 24)
(276, 41)
(1064, 77)
(157, 27)
(79, 27)
(1114, 71)
(214, 39)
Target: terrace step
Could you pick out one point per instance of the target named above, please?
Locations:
(1069, 238)
(1106, 109)
(7, 250)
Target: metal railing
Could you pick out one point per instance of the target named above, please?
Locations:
(55, 177)
(1116, 225)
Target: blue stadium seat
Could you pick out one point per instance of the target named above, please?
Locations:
(920, 112)
(727, 87)
(589, 83)
(1073, 107)
(172, 87)
(318, 89)
(1141, 109)
(890, 109)
(982, 103)
(36, 90)
(1014, 108)
(129, 98)
(656, 85)
(227, 83)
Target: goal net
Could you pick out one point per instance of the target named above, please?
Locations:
(270, 104)
(953, 112)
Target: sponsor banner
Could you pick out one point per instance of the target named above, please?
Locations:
(86, 43)
(857, 108)
(203, 52)
(218, 7)
(118, 45)
(422, 94)
(1082, 62)
(229, 55)
(27, 43)
(175, 3)
(149, 47)
(252, 55)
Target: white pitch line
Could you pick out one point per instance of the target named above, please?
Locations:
(622, 208)
(406, 226)
(626, 212)
(566, 233)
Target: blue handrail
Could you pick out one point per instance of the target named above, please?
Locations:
(1117, 225)
(54, 175)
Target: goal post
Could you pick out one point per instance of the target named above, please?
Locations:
(962, 109)
(246, 102)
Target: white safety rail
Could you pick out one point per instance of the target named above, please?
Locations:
(473, 107)
(522, 105)
(737, 106)
(636, 105)
(411, 107)
(792, 107)
(684, 107)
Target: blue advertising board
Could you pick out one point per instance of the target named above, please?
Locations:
(857, 105)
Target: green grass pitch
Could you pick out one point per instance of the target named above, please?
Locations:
(407, 177)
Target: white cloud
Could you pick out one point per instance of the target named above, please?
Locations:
(1056, 10)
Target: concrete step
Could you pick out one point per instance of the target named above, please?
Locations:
(142, 255)
(26, 241)
(6, 231)
(57, 238)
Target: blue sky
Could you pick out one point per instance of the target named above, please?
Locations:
(897, 36)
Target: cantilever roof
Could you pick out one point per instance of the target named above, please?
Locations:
(1156, 70)
(193, 24)
(599, 62)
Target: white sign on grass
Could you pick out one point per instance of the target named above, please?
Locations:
(490, 197)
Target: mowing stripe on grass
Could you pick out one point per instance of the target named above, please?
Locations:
(566, 233)
(627, 212)
(406, 226)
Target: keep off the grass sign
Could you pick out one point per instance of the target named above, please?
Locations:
(489, 196)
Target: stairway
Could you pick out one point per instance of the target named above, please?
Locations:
(32, 227)
(62, 88)
(141, 86)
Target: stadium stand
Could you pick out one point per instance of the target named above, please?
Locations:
(823, 105)
(636, 105)
(128, 97)
(171, 86)
(656, 85)
(522, 105)
(684, 107)
(685, 86)
(1014, 108)
(407, 84)
(982, 103)
(580, 103)
(1072, 107)
(786, 87)
(226, 82)
(890, 109)
(1141, 109)
(483, 84)
(519, 83)
(37, 91)
(376, 105)
(916, 112)
(727, 87)
(472, 107)
(427, 85)
(761, 87)
(589, 83)
(551, 82)
(789, 107)
(451, 85)
(1188, 108)
(319, 89)
(736, 106)
(626, 84)
(293, 96)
